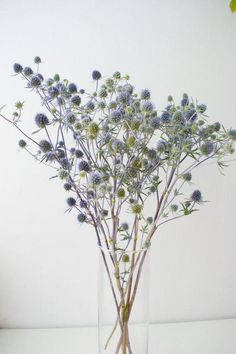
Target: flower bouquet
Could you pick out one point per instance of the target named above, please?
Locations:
(116, 155)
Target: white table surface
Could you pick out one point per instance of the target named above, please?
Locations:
(201, 337)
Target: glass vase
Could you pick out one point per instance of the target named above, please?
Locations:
(123, 299)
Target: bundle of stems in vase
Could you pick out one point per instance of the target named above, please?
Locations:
(116, 154)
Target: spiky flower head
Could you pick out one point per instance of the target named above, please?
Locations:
(70, 118)
(82, 217)
(202, 108)
(174, 207)
(232, 134)
(145, 94)
(76, 100)
(41, 120)
(93, 129)
(22, 143)
(136, 208)
(40, 76)
(95, 178)
(121, 193)
(35, 81)
(147, 106)
(117, 75)
(17, 68)
(207, 147)
(165, 117)
(155, 122)
(45, 146)
(102, 93)
(71, 201)
(116, 116)
(37, 60)
(28, 71)
(96, 75)
(67, 186)
(124, 226)
(187, 176)
(72, 88)
(178, 118)
(125, 258)
(185, 100)
(196, 196)
(79, 154)
(63, 174)
(217, 126)
(56, 77)
(83, 204)
(53, 91)
(117, 145)
(149, 220)
(84, 166)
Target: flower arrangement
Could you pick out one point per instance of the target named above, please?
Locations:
(114, 153)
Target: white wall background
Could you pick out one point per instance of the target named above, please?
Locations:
(47, 262)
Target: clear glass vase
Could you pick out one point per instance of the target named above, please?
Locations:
(123, 299)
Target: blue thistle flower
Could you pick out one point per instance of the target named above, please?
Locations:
(71, 201)
(83, 204)
(28, 71)
(64, 163)
(128, 89)
(60, 153)
(196, 196)
(84, 166)
(145, 94)
(41, 120)
(79, 154)
(116, 116)
(191, 115)
(95, 178)
(147, 106)
(82, 217)
(35, 81)
(117, 145)
(70, 118)
(207, 147)
(155, 122)
(17, 68)
(202, 108)
(45, 146)
(81, 91)
(232, 134)
(76, 100)
(149, 220)
(174, 207)
(40, 76)
(67, 186)
(178, 118)
(96, 75)
(123, 97)
(22, 143)
(165, 117)
(217, 126)
(72, 88)
(184, 101)
(53, 91)
(90, 105)
(124, 226)
(187, 176)
(37, 60)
